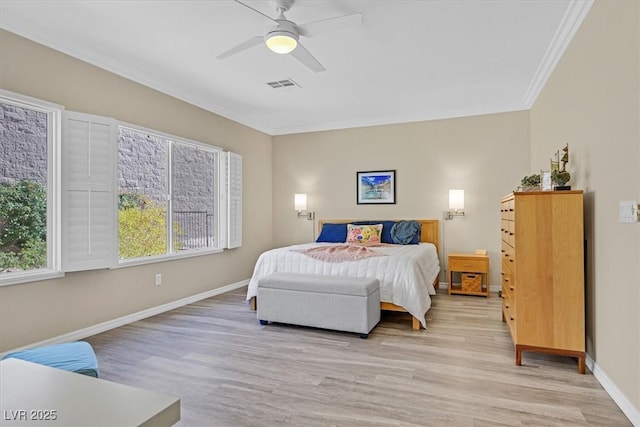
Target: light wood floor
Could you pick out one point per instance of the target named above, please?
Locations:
(228, 370)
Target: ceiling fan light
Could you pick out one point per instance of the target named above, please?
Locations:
(281, 43)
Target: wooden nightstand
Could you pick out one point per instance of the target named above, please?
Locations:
(474, 274)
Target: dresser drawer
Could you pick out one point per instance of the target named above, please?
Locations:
(507, 232)
(505, 227)
(507, 209)
(508, 307)
(504, 224)
(509, 257)
(508, 285)
(504, 212)
(508, 312)
(469, 265)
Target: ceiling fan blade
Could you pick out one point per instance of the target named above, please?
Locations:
(242, 46)
(303, 55)
(312, 29)
(257, 11)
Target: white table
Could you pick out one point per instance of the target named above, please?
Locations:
(32, 394)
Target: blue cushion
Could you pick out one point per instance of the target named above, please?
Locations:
(74, 356)
(333, 233)
(416, 237)
(406, 232)
(386, 231)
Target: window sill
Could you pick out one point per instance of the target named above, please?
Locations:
(8, 279)
(163, 258)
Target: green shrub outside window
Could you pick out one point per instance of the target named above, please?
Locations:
(142, 230)
(23, 226)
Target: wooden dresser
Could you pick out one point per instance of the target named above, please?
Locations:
(543, 272)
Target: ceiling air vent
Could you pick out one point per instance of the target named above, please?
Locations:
(286, 84)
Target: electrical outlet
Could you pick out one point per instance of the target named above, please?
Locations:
(628, 211)
(158, 279)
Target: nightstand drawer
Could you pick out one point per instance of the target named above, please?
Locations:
(470, 265)
(473, 273)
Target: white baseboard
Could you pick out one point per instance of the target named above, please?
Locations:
(621, 400)
(130, 318)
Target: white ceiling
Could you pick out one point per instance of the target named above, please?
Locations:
(408, 61)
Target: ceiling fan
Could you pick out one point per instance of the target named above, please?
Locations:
(283, 37)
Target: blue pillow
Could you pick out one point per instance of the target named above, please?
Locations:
(416, 237)
(333, 233)
(406, 232)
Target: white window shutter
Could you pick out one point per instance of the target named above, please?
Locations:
(89, 204)
(234, 200)
(223, 198)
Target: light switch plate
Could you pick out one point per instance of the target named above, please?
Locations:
(629, 211)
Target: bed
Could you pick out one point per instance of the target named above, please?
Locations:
(408, 274)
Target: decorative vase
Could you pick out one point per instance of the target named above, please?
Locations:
(560, 179)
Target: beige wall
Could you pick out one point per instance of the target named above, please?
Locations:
(592, 102)
(485, 155)
(40, 310)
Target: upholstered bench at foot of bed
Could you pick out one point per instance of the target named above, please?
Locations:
(350, 304)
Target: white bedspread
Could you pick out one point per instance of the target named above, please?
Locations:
(406, 274)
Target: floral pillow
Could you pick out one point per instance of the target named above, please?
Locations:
(364, 234)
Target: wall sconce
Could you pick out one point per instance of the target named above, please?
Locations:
(300, 205)
(456, 204)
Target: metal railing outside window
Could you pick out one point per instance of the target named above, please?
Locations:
(195, 229)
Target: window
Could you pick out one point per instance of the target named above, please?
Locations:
(29, 189)
(167, 195)
(193, 196)
(82, 192)
(143, 187)
(133, 195)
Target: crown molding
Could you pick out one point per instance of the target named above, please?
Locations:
(574, 15)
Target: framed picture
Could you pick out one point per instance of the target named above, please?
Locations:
(376, 187)
(545, 181)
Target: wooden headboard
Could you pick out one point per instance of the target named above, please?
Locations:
(430, 228)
